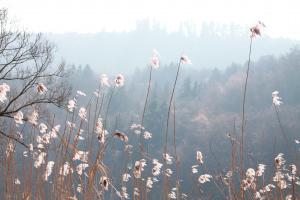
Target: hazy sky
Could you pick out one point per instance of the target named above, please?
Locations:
(280, 16)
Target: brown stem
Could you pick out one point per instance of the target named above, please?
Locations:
(167, 128)
(243, 117)
(280, 125)
(143, 115)
(175, 150)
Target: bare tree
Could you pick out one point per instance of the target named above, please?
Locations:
(26, 66)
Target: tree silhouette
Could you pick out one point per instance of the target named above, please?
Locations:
(26, 68)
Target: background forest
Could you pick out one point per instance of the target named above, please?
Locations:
(156, 127)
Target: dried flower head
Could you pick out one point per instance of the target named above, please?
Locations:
(280, 180)
(136, 191)
(168, 158)
(260, 169)
(97, 93)
(71, 104)
(4, 88)
(147, 135)
(48, 171)
(81, 167)
(125, 177)
(204, 178)
(139, 167)
(65, 169)
(17, 181)
(293, 169)
(104, 80)
(168, 172)
(149, 183)
(71, 125)
(199, 157)
(82, 113)
(79, 188)
(194, 169)
(289, 197)
(39, 159)
(100, 131)
(276, 99)
(104, 182)
(9, 149)
(136, 126)
(172, 195)
(80, 93)
(249, 181)
(185, 60)
(41, 88)
(279, 160)
(81, 155)
(32, 119)
(156, 168)
(43, 127)
(155, 59)
(256, 30)
(250, 173)
(19, 117)
(119, 81)
(123, 193)
(121, 136)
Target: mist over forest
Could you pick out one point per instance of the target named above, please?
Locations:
(213, 46)
(208, 109)
(149, 114)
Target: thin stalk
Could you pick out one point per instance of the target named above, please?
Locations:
(167, 128)
(280, 125)
(243, 116)
(169, 109)
(293, 186)
(108, 106)
(96, 106)
(175, 151)
(141, 139)
(143, 114)
(285, 136)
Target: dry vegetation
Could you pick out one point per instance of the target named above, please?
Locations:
(46, 157)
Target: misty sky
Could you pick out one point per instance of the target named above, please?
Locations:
(281, 17)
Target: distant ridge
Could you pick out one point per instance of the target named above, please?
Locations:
(115, 52)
